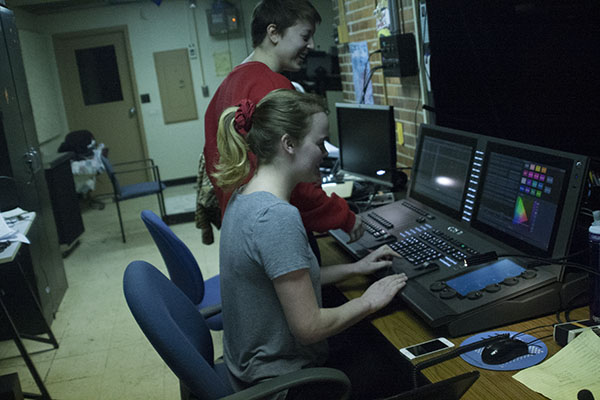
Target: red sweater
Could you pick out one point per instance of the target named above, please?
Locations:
(253, 80)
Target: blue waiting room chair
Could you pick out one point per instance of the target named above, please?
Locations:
(178, 332)
(132, 191)
(185, 272)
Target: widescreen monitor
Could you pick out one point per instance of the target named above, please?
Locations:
(522, 195)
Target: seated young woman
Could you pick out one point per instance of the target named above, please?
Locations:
(273, 319)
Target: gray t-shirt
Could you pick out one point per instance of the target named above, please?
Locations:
(262, 238)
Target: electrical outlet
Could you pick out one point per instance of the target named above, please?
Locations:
(192, 51)
(399, 55)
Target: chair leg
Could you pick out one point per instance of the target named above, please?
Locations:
(120, 220)
(185, 393)
(161, 205)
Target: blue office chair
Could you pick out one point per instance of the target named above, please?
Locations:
(126, 192)
(184, 271)
(179, 334)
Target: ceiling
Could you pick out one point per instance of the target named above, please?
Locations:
(58, 6)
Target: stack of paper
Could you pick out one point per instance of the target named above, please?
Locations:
(569, 371)
(8, 234)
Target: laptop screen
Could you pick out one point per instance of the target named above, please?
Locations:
(448, 389)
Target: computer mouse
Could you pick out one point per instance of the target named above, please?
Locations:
(503, 351)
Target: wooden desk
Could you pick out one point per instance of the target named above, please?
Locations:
(402, 327)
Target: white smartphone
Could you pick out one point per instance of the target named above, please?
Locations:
(421, 349)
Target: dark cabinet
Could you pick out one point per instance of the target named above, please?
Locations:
(21, 163)
(64, 198)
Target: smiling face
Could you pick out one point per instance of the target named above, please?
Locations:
(293, 45)
(311, 151)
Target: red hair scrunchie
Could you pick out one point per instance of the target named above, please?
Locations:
(243, 116)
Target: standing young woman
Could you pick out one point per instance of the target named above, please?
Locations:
(273, 318)
(282, 36)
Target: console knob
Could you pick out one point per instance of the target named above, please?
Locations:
(474, 295)
(493, 288)
(528, 274)
(437, 286)
(510, 281)
(447, 294)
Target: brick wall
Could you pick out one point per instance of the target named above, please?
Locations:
(402, 93)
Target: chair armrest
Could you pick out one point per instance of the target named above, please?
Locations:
(210, 311)
(144, 160)
(154, 168)
(329, 376)
(125, 171)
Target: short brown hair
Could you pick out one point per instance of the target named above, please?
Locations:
(282, 13)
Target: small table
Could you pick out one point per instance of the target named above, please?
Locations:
(7, 256)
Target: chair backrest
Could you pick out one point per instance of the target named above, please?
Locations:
(111, 174)
(175, 328)
(78, 142)
(181, 263)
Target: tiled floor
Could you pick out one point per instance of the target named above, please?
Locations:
(103, 354)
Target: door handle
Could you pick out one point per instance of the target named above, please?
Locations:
(33, 162)
(132, 112)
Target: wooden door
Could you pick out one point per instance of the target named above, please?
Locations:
(100, 95)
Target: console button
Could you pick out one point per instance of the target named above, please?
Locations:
(493, 288)
(447, 294)
(437, 286)
(510, 281)
(474, 295)
(528, 274)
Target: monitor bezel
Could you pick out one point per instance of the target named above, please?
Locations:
(391, 135)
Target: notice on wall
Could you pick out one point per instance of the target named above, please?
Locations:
(360, 72)
(222, 63)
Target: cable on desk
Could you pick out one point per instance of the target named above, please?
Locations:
(491, 256)
(532, 329)
(543, 337)
(455, 353)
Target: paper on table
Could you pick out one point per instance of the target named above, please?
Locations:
(15, 212)
(10, 235)
(5, 231)
(573, 368)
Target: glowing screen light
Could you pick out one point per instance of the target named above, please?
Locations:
(445, 181)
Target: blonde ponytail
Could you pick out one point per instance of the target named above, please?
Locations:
(234, 164)
(281, 111)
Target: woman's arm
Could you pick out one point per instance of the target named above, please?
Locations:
(310, 324)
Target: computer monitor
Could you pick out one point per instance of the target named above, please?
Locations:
(524, 193)
(319, 64)
(441, 170)
(367, 141)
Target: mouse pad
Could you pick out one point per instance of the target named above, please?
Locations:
(537, 352)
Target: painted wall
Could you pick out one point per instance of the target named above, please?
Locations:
(403, 93)
(174, 147)
(43, 85)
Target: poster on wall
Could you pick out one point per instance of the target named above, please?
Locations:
(360, 72)
(382, 18)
